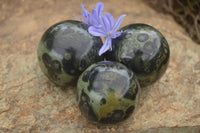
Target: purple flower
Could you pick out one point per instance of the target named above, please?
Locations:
(93, 19)
(107, 29)
(102, 25)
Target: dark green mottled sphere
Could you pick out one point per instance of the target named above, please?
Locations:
(144, 50)
(66, 49)
(108, 92)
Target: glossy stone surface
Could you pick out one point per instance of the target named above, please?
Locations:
(30, 104)
(107, 92)
(67, 49)
(144, 50)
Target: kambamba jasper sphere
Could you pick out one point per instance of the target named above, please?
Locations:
(66, 49)
(144, 50)
(108, 92)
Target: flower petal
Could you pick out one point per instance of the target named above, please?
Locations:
(105, 47)
(110, 20)
(95, 31)
(117, 34)
(93, 20)
(85, 14)
(105, 23)
(99, 8)
(118, 22)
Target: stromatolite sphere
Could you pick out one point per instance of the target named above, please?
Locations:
(144, 50)
(108, 92)
(66, 49)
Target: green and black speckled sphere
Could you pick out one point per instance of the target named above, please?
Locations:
(108, 92)
(144, 50)
(66, 49)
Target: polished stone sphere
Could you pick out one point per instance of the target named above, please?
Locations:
(107, 92)
(144, 50)
(65, 50)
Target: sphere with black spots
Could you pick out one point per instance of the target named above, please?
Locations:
(107, 92)
(144, 50)
(65, 50)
